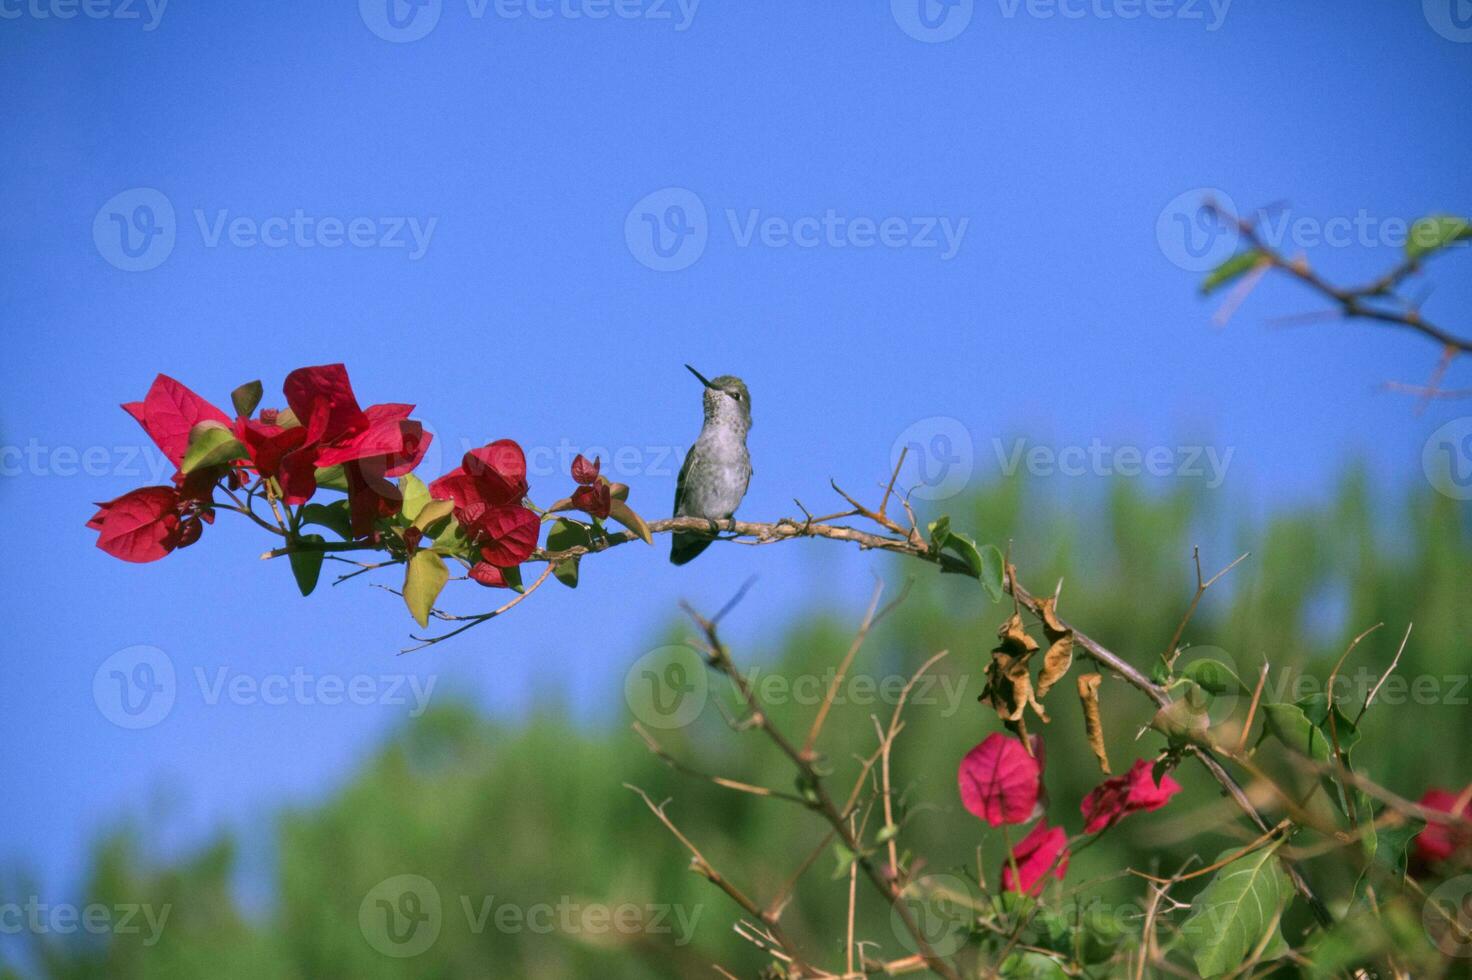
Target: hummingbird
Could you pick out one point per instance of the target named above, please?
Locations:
(718, 468)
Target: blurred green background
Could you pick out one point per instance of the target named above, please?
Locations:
(537, 852)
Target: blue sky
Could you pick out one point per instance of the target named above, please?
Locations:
(893, 237)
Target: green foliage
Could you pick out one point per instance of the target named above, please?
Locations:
(536, 814)
(1236, 914)
(1436, 232)
(1230, 270)
(306, 566)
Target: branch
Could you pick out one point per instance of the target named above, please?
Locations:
(820, 801)
(1362, 302)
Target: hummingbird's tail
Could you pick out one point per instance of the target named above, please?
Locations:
(685, 546)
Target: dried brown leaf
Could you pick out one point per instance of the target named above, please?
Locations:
(1055, 663)
(1088, 693)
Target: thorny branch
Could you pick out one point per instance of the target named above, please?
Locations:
(902, 540)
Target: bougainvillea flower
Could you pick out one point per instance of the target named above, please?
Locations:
(168, 412)
(487, 490)
(1000, 782)
(144, 524)
(1109, 802)
(488, 575)
(370, 444)
(593, 495)
(279, 452)
(1042, 852)
(1439, 841)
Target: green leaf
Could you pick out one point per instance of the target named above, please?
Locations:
(1435, 232)
(1231, 270)
(424, 577)
(940, 529)
(1315, 708)
(210, 444)
(566, 572)
(333, 478)
(512, 576)
(993, 570)
(965, 549)
(565, 534)
(1031, 966)
(1101, 938)
(845, 858)
(1213, 677)
(1388, 848)
(1231, 916)
(1184, 720)
(451, 540)
(1304, 728)
(415, 495)
(246, 398)
(1289, 725)
(333, 516)
(307, 565)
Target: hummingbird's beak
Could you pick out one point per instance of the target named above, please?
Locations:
(698, 375)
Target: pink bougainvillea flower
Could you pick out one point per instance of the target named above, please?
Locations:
(1000, 782)
(371, 444)
(278, 452)
(488, 575)
(145, 524)
(593, 495)
(487, 490)
(1109, 802)
(584, 472)
(1043, 851)
(168, 412)
(1440, 841)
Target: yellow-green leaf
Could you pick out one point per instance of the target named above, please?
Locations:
(1230, 270)
(424, 577)
(432, 513)
(246, 398)
(415, 495)
(1436, 232)
(210, 444)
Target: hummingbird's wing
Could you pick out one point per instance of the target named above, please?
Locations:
(681, 481)
(685, 546)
